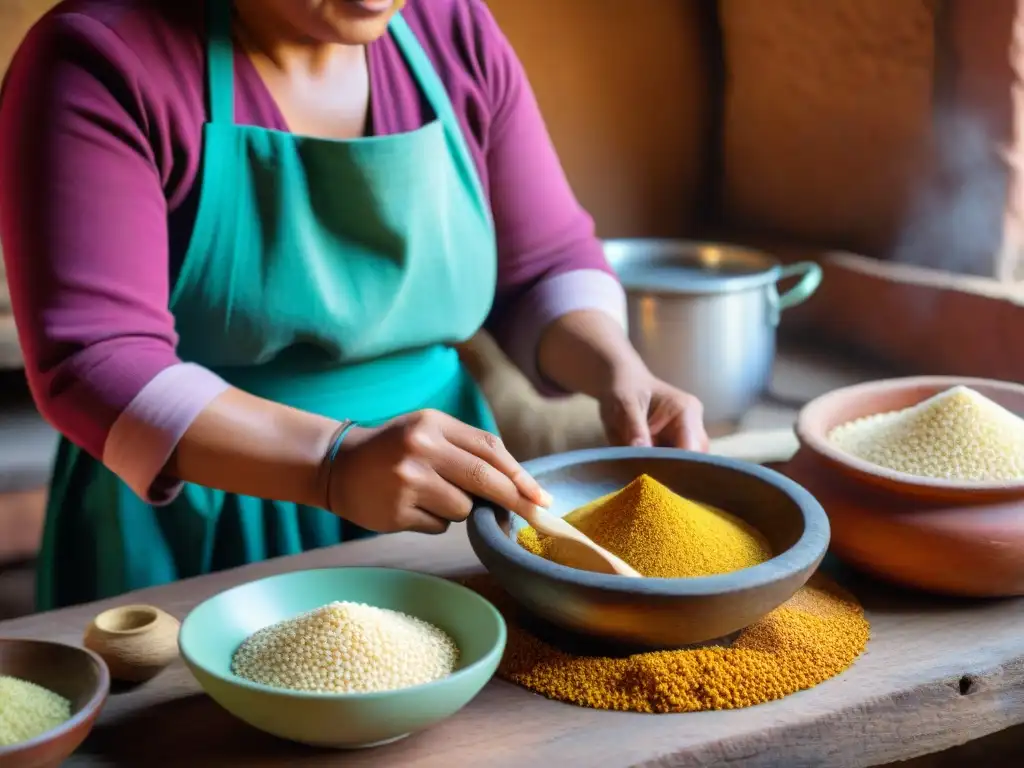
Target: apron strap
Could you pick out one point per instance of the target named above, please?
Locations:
(422, 68)
(220, 62)
(437, 96)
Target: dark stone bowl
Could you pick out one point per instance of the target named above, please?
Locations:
(658, 613)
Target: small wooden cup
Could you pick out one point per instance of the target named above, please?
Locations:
(136, 641)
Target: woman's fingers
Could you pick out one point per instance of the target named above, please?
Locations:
(696, 435)
(489, 449)
(426, 492)
(421, 521)
(633, 427)
(625, 417)
(693, 436)
(443, 500)
(476, 477)
(678, 422)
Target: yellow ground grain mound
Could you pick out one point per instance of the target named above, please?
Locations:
(347, 647)
(28, 710)
(657, 532)
(815, 636)
(958, 435)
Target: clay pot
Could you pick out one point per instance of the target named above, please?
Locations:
(941, 536)
(954, 549)
(136, 641)
(840, 406)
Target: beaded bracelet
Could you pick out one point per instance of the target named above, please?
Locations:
(332, 454)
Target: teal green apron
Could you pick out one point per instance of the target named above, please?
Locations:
(331, 276)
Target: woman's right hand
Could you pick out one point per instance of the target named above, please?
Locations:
(419, 472)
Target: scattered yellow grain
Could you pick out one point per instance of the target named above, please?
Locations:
(657, 532)
(347, 647)
(815, 636)
(957, 435)
(28, 710)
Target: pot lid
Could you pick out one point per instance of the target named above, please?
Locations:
(688, 267)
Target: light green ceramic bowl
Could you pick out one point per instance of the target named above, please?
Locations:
(213, 631)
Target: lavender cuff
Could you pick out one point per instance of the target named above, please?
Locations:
(550, 299)
(145, 434)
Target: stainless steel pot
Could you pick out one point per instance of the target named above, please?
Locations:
(703, 316)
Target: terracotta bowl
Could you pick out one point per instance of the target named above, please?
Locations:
(963, 539)
(76, 674)
(967, 550)
(840, 406)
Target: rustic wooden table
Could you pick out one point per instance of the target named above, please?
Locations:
(936, 674)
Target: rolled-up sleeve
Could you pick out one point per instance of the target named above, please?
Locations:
(83, 224)
(550, 261)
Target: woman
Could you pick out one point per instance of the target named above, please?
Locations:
(241, 239)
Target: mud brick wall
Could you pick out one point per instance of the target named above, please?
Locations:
(827, 113)
(983, 76)
(628, 93)
(891, 129)
(16, 17)
(884, 128)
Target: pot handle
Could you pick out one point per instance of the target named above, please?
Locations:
(810, 278)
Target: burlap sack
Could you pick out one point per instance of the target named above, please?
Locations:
(530, 425)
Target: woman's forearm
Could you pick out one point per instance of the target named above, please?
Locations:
(246, 445)
(586, 352)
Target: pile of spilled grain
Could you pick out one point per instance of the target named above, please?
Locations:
(28, 710)
(815, 636)
(957, 435)
(657, 532)
(347, 648)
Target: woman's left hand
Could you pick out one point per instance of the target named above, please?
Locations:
(588, 351)
(641, 410)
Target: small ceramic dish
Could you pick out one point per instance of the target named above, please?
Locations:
(658, 613)
(77, 674)
(212, 632)
(819, 417)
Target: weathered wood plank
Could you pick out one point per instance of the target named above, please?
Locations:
(937, 674)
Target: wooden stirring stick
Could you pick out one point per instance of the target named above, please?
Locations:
(544, 522)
